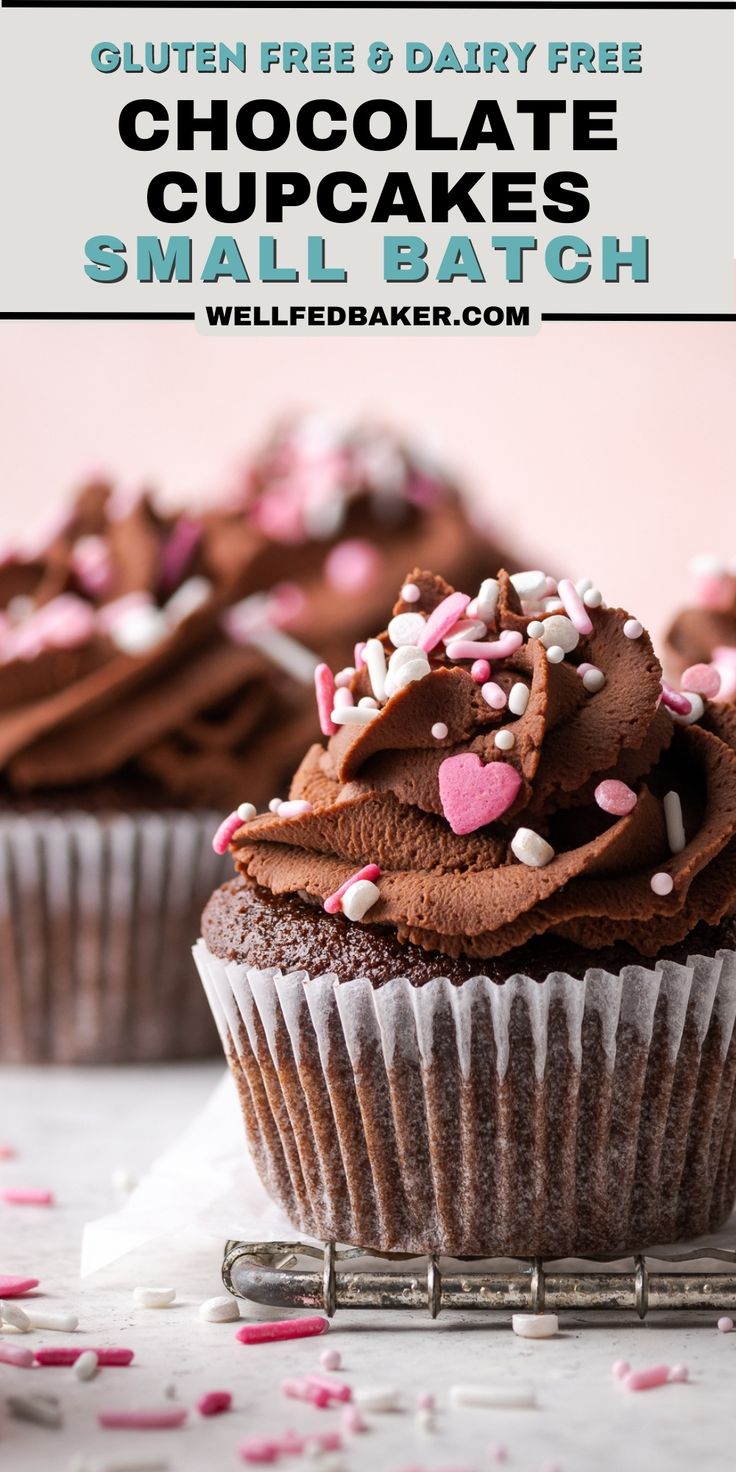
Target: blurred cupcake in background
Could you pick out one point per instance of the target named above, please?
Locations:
(704, 633)
(157, 667)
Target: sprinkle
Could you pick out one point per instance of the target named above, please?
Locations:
(487, 600)
(63, 1356)
(679, 1375)
(265, 1333)
(15, 1317)
(375, 659)
(353, 1421)
(178, 551)
(13, 1287)
(673, 820)
(7, 1153)
(426, 1401)
(214, 1402)
(330, 1359)
(91, 564)
(574, 606)
(297, 1389)
(425, 1422)
(493, 1397)
(296, 808)
(662, 883)
(410, 593)
(535, 1326)
(86, 1365)
(507, 643)
(594, 680)
(702, 679)
(480, 670)
(555, 654)
(25, 1196)
(358, 899)
(504, 740)
(154, 1297)
(406, 628)
(531, 849)
(559, 631)
(191, 596)
(123, 1179)
(439, 730)
(343, 677)
(352, 565)
(247, 812)
(412, 665)
(156, 1420)
(497, 1452)
(619, 1369)
(725, 1325)
(139, 630)
(258, 1449)
(358, 659)
(353, 715)
(39, 1410)
(694, 712)
(518, 698)
(493, 695)
(647, 1379)
(633, 629)
(377, 1397)
(615, 797)
(442, 619)
(335, 1389)
(535, 629)
(592, 598)
(11, 1354)
(332, 903)
(62, 1323)
(529, 585)
(219, 1310)
(324, 689)
(227, 828)
(466, 628)
(275, 804)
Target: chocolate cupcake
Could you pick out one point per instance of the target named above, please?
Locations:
(701, 642)
(155, 668)
(476, 980)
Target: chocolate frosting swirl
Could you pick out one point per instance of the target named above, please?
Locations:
(378, 794)
(169, 656)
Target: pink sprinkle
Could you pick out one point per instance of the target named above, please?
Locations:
(65, 622)
(285, 1328)
(10, 1354)
(300, 1389)
(480, 670)
(291, 1444)
(662, 883)
(330, 1359)
(725, 1325)
(91, 564)
(327, 1441)
(332, 903)
(353, 1421)
(702, 679)
(724, 662)
(287, 601)
(214, 1402)
(494, 695)
(426, 1400)
(647, 1379)
(294, 809)
(713, 591)
(674, 700)
(7, 1152)
(615, 797)
(61, 1355)
(258, 1449)
(25, 1196)
(620, 1368)
(507, 643)
(178, 552)
(336, 1389)
(574, 606)
(358, 660)
(498, 1452)
(227, 828)
(582, 669)
(162, 1420)
(352, 565)
(679, 1375)
(439, 623)
(324, 688)
(12, 1287)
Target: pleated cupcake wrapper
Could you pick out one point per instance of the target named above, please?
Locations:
(530, 1118)
(97, 916)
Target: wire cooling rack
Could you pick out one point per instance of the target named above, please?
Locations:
(302, 1275)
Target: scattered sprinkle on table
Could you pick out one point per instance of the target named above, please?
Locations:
(50, 1355)
(163, 1419)
(13, 1287)
(535, 1326)
(219, 1310)
(26, 1196)
(154, 1297)
(267, 1333)
(725, 1325)
(214, 1402)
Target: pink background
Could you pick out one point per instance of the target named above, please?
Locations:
(607, 449)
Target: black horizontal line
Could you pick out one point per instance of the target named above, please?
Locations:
(96, 316)
(638, 316)
(370, 5)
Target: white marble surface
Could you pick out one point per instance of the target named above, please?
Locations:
(72, 1129)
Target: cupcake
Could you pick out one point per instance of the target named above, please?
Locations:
(154, 667)
(704, 634)
(476, 978)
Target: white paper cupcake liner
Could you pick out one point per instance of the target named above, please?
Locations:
(97, 916)
(531, 1118)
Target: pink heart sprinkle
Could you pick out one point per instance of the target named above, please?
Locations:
(615, 797)
(702, 679)
(473, 795)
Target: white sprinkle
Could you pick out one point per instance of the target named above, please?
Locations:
(633, 629)
(555, 654)
(662, 883)
(466, 628)
(439, 730)
(493, 1397)
(505, 739)
(673, 820)
(493, 695)
(219, 1310)
(410, 593)
(247, 812)
(560, 630)
(139, 630)
(294, 808)
(343, 696)
(697, 707)
(534, 1326)
(375, 660)
(376, 1397)
(86, 1366)
(531, 849)
(487, 601)
(529, 585)
(425, 1422)
(343, 677)
(518, 698)
(330, 1359)
(407, 673)
(40, 1410)
(62, 1323)
(706, 565)
(358, 898)
(404, 655)
(367, 702)
(192, 594)
(535, 629)
(298, 662)
(592, 598)
(275, 804)
(594, 680)
(153, 1297)
(123, 1180)
(406, 628)
(553, 605)
(582, 585)
(12, 1315)
(353, 715)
